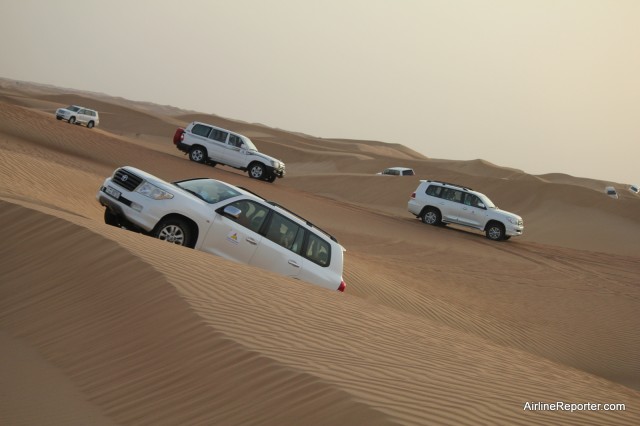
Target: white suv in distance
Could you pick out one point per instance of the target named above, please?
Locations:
(78, 115)
(438, 203)
(225, 220)
(213, 145)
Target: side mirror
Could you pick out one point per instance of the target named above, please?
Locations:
(232, 211)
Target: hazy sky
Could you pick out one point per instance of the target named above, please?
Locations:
(540, 85)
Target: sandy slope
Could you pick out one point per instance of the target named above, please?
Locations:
(103, 326)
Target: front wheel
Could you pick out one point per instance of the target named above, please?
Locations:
(72, 120)
(197, 154)
(256, 171)
(110, 218)
(495, 231)
(174, 231)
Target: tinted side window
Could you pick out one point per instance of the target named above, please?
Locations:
(218, 135)
(317, 250)
(235, 141)
(435, 191)
(253, 214)
(285, 232)
(201, 130)
(407, 172)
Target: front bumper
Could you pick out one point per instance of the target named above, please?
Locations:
(279, 172)
(514, 230)
(130, 206)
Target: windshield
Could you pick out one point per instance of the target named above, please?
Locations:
(208, 190)
(73, 108)
(487, 202)
(248, 145)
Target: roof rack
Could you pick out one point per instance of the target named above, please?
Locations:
(451, 184)
(303, 219)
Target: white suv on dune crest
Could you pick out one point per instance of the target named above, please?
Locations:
(438, 203)
(213, 145)
(224, 220)
(74, 114)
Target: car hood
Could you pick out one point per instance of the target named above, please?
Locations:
(505, 214)
(264, 157)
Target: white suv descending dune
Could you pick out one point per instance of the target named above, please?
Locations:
(213, 145)
(74, 114)
(225, 220)
(438, 203)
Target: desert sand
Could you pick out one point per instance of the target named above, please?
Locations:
(101, 326)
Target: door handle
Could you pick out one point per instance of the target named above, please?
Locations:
(251, 241)
(294, 263)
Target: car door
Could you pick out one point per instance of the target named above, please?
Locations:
(470, 213)
(236, 238)
(233, 152)
(448, 205)
(82, 116)
(217, 144)
(280, 249)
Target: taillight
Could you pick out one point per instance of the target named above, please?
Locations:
(342, 286)
(178, 136)
(413, 195)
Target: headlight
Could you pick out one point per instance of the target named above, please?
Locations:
(513, 220)
(152, 191)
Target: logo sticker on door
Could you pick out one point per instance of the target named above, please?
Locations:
(232, 237)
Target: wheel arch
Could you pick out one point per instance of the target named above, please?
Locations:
(494, 222)
(192, 224)
(427, 207)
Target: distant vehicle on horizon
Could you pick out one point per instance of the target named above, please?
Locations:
(611, 192)
(74, 114)
(634, 188)
(397, 171)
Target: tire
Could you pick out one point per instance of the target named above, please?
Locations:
(58, 118)
(90, 125)
(110, 218)
(431, 216)
(72, 120)
(271, 178)
(495, 231)
(198, 154)
(256, 171)
(175, 231)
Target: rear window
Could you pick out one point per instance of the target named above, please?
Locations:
(201, 130)
(407, 173)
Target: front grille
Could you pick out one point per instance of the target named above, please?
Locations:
(126, 179)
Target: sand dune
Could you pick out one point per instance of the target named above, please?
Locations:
(438, 325)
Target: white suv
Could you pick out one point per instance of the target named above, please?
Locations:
(438, 203)
(213, 145)
(224, 220)
(78, 115)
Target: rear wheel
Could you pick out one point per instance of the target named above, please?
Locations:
(197, 154)
(175, 231)
(72, 120)
(90, 125)
(495, 231)
(431, 216)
